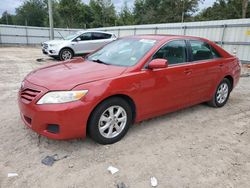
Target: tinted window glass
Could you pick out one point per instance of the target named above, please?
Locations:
(174, 52)
(200, 50)
(99, 36)
(86, 36)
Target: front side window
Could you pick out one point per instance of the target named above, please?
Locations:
(174, 52)
(123, 52)
(85, 36)
(201, 50)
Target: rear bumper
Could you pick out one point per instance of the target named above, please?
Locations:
(71, 118)
(236, 75)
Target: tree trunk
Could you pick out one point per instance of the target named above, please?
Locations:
(244, 8)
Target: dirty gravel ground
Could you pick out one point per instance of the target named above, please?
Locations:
(195, 147)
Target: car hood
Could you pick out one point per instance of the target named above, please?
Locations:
(67, 75)
(55, 41)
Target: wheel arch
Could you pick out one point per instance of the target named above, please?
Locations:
(67, 47)
(231, 80)
(123, 96)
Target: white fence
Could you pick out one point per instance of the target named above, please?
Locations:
(232, 35)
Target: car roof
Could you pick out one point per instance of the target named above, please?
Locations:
(93, 31)
(164, 37)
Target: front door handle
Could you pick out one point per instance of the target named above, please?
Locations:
(188, 71)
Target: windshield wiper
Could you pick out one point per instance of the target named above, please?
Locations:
(99, 61)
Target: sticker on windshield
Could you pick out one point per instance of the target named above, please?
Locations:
(147, 41)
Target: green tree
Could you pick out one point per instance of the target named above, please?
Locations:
(32, 13)
(103, 12)
(73, 12)
(164, 11)
(7, 18)
(125, 17)
(225, 9)
(57, 20)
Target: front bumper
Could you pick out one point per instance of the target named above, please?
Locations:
(70, 118)
(50, 51)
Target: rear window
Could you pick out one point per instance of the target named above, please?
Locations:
(99, 36)
(202, 51)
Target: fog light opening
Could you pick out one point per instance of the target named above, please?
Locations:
(53, 128)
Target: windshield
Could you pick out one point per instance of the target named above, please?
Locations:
(72, 36)
(123, 52)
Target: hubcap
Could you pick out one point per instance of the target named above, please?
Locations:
(222, 93)
(112, 121)
(66, 55)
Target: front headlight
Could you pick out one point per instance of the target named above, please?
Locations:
(57, 97)
(52, 45)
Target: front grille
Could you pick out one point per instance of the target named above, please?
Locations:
(29, 94)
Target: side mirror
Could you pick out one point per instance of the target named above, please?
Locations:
(158, 64)
(78, 39)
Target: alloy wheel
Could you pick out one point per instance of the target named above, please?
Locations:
(222, 93)
(112, 121)
(66, 55)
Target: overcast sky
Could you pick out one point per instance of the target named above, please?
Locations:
(10, 5)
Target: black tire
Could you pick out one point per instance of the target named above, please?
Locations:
(214, 102)
(62, 57)
(93, 124)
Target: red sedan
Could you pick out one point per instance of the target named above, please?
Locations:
(129, 80)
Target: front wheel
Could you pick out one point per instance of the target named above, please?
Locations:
(110, 121)
(65, 54)
(222, 94)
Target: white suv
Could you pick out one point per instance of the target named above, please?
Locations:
(81, 42)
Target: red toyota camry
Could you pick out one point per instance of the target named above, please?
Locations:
(129, 80)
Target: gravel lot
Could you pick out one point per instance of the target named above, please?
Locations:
(195, 147)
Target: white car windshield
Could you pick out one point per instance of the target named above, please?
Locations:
(123, 52)
(72, 36)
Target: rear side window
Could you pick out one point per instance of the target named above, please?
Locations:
(215, 53)
(202, 51)
(174, 52)
(99, 36)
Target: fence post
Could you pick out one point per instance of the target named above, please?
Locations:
(26, 35)
(184, 29)
(156, 29)
(135, 31)
(223, 34)
(0, 36)
(118, 32)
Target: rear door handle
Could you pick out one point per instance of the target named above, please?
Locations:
(221, 65)
(188, 71)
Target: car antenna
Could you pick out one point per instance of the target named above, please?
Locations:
(61, 35)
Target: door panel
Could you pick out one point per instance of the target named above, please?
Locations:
(90, 41)
(81, 46)
(165, 89)
(206, 69)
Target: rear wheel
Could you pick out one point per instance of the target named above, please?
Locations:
(110, 121)
(222, 94)
(65, 54)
